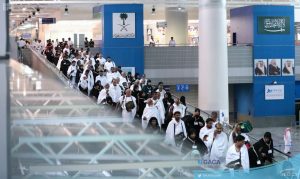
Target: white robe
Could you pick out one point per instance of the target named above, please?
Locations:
(181, 108)
(102, 79)
(169, 139)
(161, 108)
(122, 80)
(233, 155)
(102, 96)
(115, 93)
(83, 83)
(110, 76)
(287, 141)
(162, 93)
(108, 65)
(149, 112)
(101, 60)
(72, 73)
(127, 116)
(59, 62)
(219, 147)
(90, 82)
(203, 132)
(231, 142)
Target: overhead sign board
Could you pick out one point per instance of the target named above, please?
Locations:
(273, 25)
(48, 20)
(182, 88)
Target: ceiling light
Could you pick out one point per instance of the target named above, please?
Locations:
(66, 11)
(179, 8)
(153, 10)
(24, 9)
(18, 16)
(38, 10)
(33, 13)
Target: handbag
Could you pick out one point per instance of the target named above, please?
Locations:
(179, 137)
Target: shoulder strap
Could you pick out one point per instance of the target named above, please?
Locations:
(174, 130)
(240, 159)
(181, 126)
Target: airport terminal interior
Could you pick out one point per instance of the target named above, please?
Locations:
(149, 89)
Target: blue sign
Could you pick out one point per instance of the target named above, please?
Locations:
(182, 87)
(48, 20)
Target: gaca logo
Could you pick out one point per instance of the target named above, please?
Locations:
(209, 162)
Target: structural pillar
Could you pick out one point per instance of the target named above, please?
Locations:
(177, 25)
(4, 93)
(213, 58)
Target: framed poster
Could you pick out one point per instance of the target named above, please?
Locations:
(274, 92)
(274, 67)
(123, 25)
(260, 67)
(288, 67)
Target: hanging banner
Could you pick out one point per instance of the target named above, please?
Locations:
(123, 25)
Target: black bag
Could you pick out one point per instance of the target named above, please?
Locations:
(236, 164)
(179, 137)
(128, 105)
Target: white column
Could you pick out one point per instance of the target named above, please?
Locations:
(213, 59)
(4, 93)
(177, 25)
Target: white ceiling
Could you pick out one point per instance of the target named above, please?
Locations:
(82, 9)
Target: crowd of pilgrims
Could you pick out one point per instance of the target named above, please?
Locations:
(158, 112)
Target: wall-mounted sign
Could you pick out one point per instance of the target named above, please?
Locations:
(123, 25)
(273, 25)
(128, 69)
(182, 88)
(274, 92)
(161, 24)
(26, 35)
(48, 20)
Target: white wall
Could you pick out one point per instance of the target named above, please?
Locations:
(67, 28)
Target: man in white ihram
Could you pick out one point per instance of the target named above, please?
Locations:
(219, 144)
(72, 73)
(176, 127)
(150, 111)
(103, 94)
(160, 106)
(128, 113)
(205, 132)
(237, 156)
(115, 91)
(108, 64)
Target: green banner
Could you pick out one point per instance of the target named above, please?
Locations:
(273, 25)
